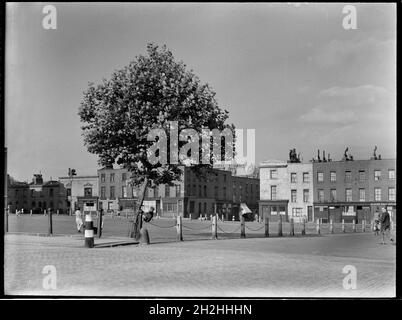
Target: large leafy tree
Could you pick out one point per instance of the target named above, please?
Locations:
(154, 89)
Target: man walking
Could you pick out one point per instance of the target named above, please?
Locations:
(78, 219)
(385, 221)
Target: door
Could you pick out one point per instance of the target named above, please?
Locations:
(310, 213)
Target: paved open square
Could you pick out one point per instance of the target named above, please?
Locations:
(253, 267)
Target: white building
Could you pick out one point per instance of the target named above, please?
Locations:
(286, 189)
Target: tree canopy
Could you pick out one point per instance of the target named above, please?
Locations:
(154, 89)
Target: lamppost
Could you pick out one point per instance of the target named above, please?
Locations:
(71, 174)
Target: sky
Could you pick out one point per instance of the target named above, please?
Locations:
(291, 71)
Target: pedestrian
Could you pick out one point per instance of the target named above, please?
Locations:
(78, 219)
(385, 221)
(17, 213)
(149, 215)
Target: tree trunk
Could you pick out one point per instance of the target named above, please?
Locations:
(137, 219)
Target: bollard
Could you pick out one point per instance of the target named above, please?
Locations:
(266, 226)
(292, 227)
(50, 232)
(57, 211)
(280, 226)
(233, 218)
(303, 232)
(343, 226)
(331, 226)
(363, 225)
(30, 213)
(144, 236)
(100, 224)
(242, 227)
(44, 212)
(89, 232)
(179, 229)
(318, 226)
(215, 227)
(354, 225)
(223, 217)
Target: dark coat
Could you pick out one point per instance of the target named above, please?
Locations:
(385, 220)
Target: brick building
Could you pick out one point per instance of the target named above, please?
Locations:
(36, 196)
(354, 189)
(222, 193)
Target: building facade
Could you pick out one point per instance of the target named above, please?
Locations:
(286, 189)
(354, 189)
(82, 192)
(190, 197)
(37, 196)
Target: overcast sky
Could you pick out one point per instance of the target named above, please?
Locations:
(290, 71)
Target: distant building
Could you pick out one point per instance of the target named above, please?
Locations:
(286, 189)
(354, 189)
(82, 192)
(36, 196)
(222, 193)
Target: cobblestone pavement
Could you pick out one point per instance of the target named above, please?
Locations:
(253, 267)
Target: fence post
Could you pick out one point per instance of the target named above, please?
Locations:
(242, 227)
(354, 225)
(99, 224)
(292, 227)
(343, 226)
(280, 226)
(318, 226)
(89, 232)
(331, 226)
(215, 227)
(50, 232)
(266, 226)
(303, 232)
(179, 229)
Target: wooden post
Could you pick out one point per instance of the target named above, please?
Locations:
(215, 227)
(343, 226)
(179, 229)
(354, 225)
(280, 226)
(331, 226)
(242, 227)
(266, 226)
(318, 226)
(100, 224)
(50, 232)
(292, 227)
(303, 232)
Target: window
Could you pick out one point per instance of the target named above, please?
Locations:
(33, 193)
(112, 192)
(377, 175)
(103, 192)
(377, 194)
(156, 191)
(134, 192)
(320, 176)
(293, 195)
(88, 192)
(306, 177)
(362, 175)
(391, 174)
(293, 177)
(348, 176)
(170, 207)
(216, 192)
(306, 195)
(205, 205)
(205, 191)
(362, 194)
(391, 194)
(150, 192)
(68, 192)
(16, 192)
(124, 176)
(320, 195)
(332, 176)
(224, 178)
(124, 192)
(348, 194)
(297, 212)
(51, 192)
(167, 191)
(273, 192)
(200, 191)
(333, 194)
(102, 177)
(178, 190)
(224, 192)
(273, 174)
(112, 177)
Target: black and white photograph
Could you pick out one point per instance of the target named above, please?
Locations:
(200, 151)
